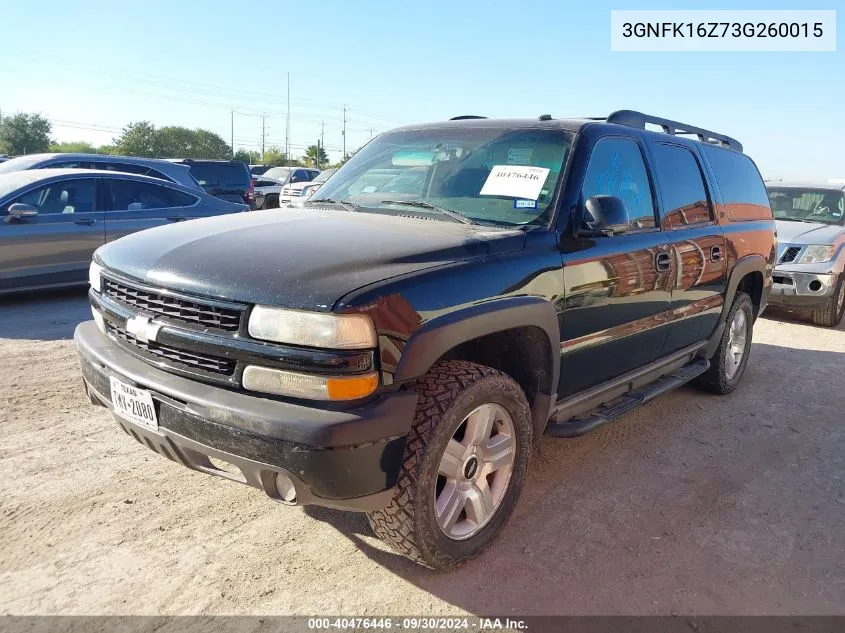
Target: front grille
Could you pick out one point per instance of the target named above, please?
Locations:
(178, 357)
(790, 254)
(176, 308)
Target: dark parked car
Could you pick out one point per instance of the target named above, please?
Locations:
(401, 355)
(54, 219)
(154, 167)
(810, 270)
(225, 179)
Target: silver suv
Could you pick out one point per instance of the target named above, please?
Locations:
(811, 253)
(162, 169)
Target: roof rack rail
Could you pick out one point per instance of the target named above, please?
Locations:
(467, 116)
(632, 118)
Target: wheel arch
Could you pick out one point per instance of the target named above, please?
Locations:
(519, 336)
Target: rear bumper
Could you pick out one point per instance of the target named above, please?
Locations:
(801, 290)
(342, 459)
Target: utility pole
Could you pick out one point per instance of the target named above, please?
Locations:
(263, 135)
(287, 127)
(322, 133)
(371, 134)
(233, 131)
(344, 133)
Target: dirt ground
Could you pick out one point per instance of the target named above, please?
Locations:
(694, 504)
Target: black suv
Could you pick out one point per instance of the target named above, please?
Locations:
(399, 345)
(226, 179)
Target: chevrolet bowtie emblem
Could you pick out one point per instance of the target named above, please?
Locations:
(142, 328)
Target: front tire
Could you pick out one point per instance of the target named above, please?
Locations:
(463, 468)
(728, 364)
(831, 314)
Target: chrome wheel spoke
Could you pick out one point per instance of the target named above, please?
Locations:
(479, 425)
(736, 343)
(498, 453)
(479, 506)
(452, 460)
(450, 503)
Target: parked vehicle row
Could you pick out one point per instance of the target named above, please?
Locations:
(452, 293)
(54, 219)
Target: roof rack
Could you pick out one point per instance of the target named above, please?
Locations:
(632, 118)
(467, 116)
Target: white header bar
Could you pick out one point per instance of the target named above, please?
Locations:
(722, 30)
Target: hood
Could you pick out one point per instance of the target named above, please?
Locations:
(807, 232)
(298, 258)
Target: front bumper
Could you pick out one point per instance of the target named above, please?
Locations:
(801, 290)
(346, 459)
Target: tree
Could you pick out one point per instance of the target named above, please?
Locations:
(274, 156)
(247, 156)
(75, 147)
(138, 139)
(24, 134)
(315, 156)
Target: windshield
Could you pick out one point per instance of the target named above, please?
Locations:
(19, 163)
(488, 174)
(323, 176)
(811, 205)
(278, 173)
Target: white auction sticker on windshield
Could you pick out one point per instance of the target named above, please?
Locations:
(515, 181)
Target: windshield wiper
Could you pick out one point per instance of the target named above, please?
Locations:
(345, 204)
(459, 217)
(798, 220)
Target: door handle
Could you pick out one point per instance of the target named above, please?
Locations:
(715, 253)
(85, 221)
(662, 262)
(176, 218)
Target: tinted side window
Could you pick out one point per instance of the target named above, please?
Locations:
(681, 186)
(617, 168)
(66, 196)
(124, 167)
(225, 175)
(132, 195)
(742, 188)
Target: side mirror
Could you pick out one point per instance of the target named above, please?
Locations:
(603, 216)
(20, 210)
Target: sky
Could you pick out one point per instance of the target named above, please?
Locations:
(93, 67)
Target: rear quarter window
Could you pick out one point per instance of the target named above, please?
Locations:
(743, 193)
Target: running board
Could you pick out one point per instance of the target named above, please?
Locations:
(624, 404)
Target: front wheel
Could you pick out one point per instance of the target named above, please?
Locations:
(463, 468)
(831, 314)
(728, 363)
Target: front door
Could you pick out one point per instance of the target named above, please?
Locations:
(617, 288)
(55, 246)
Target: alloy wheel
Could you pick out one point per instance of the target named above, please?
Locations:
(474, 471)
(737, 337)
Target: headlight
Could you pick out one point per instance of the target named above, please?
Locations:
(289, 383)
(817, 254)
(307, 191)
(94, 275)
(312, 329)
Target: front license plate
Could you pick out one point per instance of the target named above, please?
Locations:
(133, 404)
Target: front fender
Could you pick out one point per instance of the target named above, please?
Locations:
(434, 338)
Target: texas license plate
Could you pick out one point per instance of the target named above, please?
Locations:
(133, 404)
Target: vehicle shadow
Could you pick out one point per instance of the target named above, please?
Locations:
(43, 316)
(661, 511)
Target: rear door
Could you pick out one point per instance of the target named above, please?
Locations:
(55, 246)
(617, 288)
(134, 205)
(698, 244)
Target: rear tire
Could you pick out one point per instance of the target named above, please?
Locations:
(731, 357)
(450, 504)
(831, 314)
(271, 202)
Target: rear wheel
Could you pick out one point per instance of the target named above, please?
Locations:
(271, 201)
(728, 363)
(463, 468)
(831, 314)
